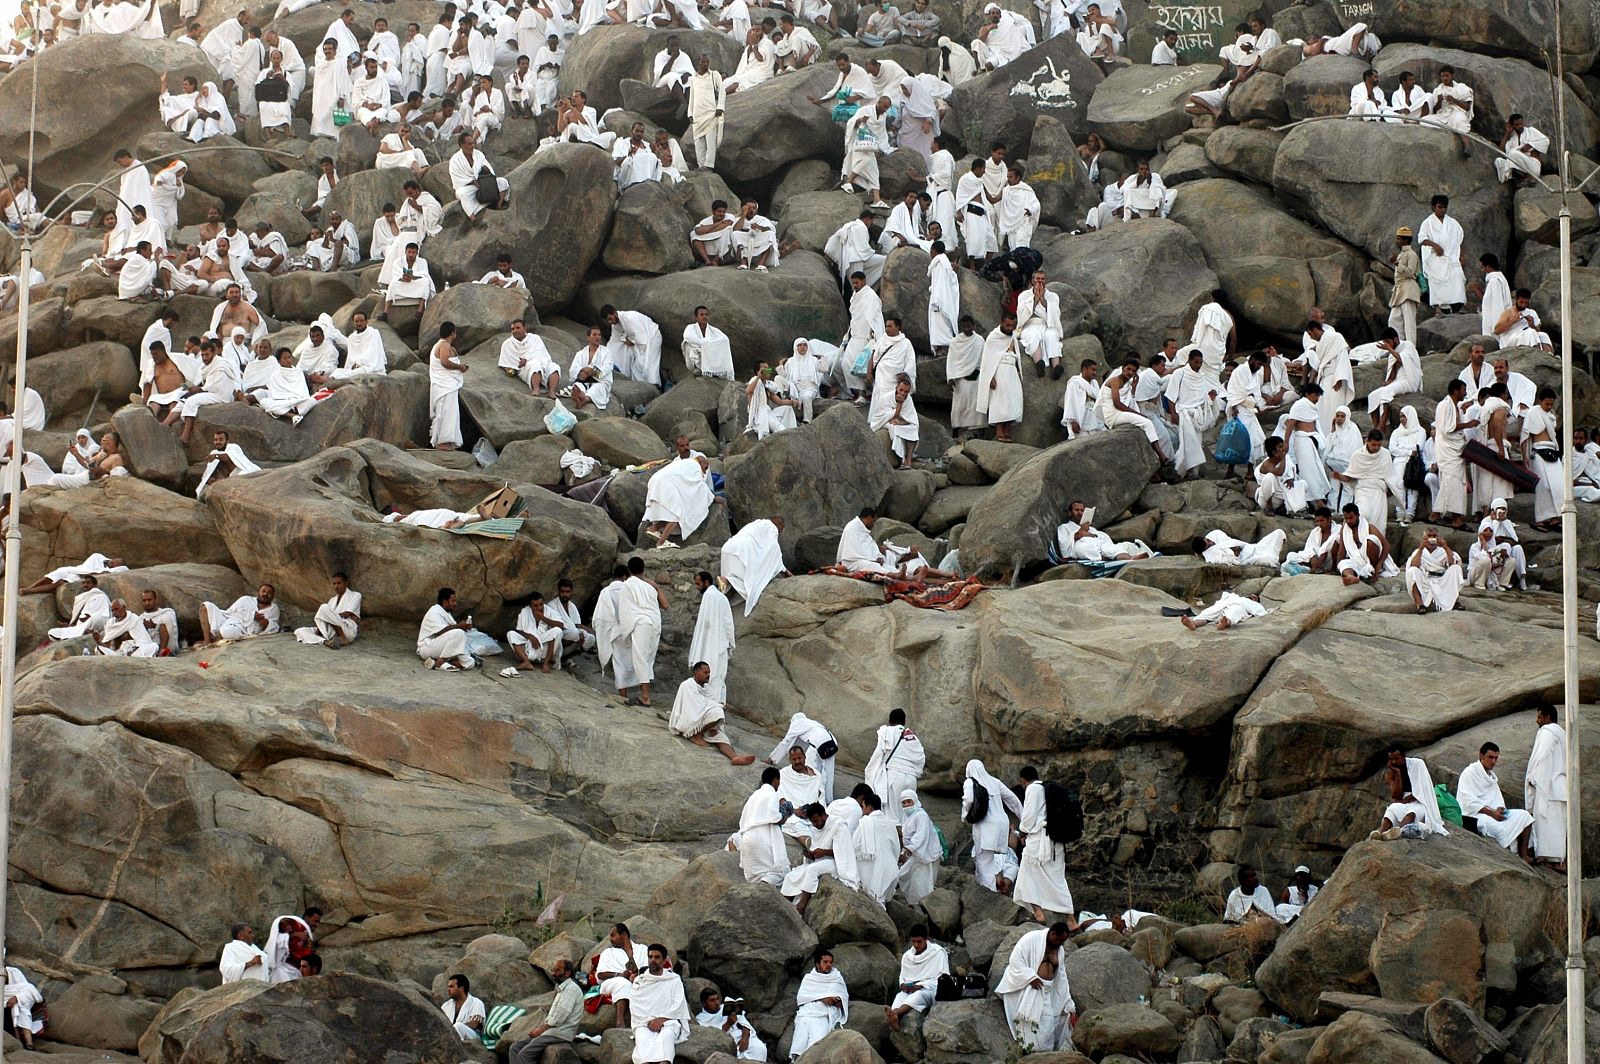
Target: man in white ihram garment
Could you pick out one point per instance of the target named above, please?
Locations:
(1039, 328)
(921, 965)
(465, 167)
(659, 1011)
(1415, 805)
(1078, 539)
(1018, 212)
(999, 396)
(824, 1004)
(1034, 990)
(1042, 878)
(1478, 793)
(678, 498)
(921, 850)
(1439, 240)
(241, 958)
(1544, 790)
(850, 248)
(636, 344)
(877, 844)
(441, 639)
(752, 558)
(896, 762)
(818, 740)
(525, 356)
(1219, 548)
(337, 621)
(763, 856)
(1214, 333)
(713, 638)
(447, 375)
(1191, 392)
(249, 616)
(706, 349)
(991, 827)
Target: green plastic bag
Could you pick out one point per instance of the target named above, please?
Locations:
(1449, 808)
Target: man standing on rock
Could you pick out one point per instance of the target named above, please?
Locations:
(896, 763)
(1038, 1001)
(999, 396)
(1439, 238)
(707, 108)
(713, 640)
(447, 374)
(763, 855)
(1545, 790)
(639, 604)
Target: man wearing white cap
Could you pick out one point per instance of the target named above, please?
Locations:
(1296, 896)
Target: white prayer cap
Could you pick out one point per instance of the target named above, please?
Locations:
(1498, 504)
(908, 796)
(1301, 868)
(990, 7)
(238, 330)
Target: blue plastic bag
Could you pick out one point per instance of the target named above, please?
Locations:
(1233, 446)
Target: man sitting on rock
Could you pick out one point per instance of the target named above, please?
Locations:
(920, 968)
(1413, 810)
(338, 621)
(465, 1012)
(124, 633)
(697, 715)
(831, 852)
(441, 639)
(535, 634)
(1296, 896)
(678, 497)
(729, 1018)
(1249, 900)
(560, 1024)
(249, 616)
(1361, 551)
(1078, 540)
(1478, 792)
(824, 1004)
(617, 967)
(659, 1009)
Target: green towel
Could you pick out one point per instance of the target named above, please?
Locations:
(499, 528)
(494, 1025)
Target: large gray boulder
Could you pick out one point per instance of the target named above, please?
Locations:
(1057, 175)
(1102, 974)
(1014, 523)
(904, 291)
(339, 1017)
(392, 408)
(479, 312)
(228, 175)
(599, 60)
(774, 124)
(1139, 107)
(1322, 87)
(1331, 946)
(1054, 79)
(1528, 31)
(1271, 264)
(1149, 278)
(1363, 180)
(361, 194)
(762, 313)
(1501, 87)
(293, 526)
(561, 203)
(70, 379)
(818, 474)
(74, 140)
(750, 938)
(649, 233)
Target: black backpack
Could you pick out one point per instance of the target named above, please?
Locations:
(1415, 476)
(980, 804)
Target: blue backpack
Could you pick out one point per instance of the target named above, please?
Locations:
(1233, 446)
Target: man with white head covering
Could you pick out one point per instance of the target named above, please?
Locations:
(985, 803)
(921, 851)
(288, 939)
(1478, 793)
(815, 737)
(241, 958)
(1004, 36)
(824, 1004)
(678, 497)
(752, 557)
(1034, 990)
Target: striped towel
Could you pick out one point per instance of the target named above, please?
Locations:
(499, 528)
(500, 1017)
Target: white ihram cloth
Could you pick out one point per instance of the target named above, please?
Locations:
(1448, 445)
(28, 998)
(838, 836)
(1190, 394)
(712, 641)
(238, 621)
(235, 955)
(599, 390)
(638, 631)
(1039, 325)
(242, 466)
(434, 642)
(1036, 1015)
(678, 492)
(1377, 476)
(920, 871)
(328, 619)
(613, 959)
(1042, 878)
(1544, 792)
(280, 968)
(444, 399)
(329, 85)
(1447, 283)
(287, 393)
(706, 351)
(999, 394)
(526, 357)
(944, 299)
(896, 763)
(656, 997)
(990, 835)
(877, 855)
(751, 558)
(960, 363)
(1479, 789)
(364, 353)
(1095, 545)
(923, 969)
(127, 637)
(800, 789)
(762, 855)
(93, 565)
(469, 1009)
(636, 347)
(813, 1020)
